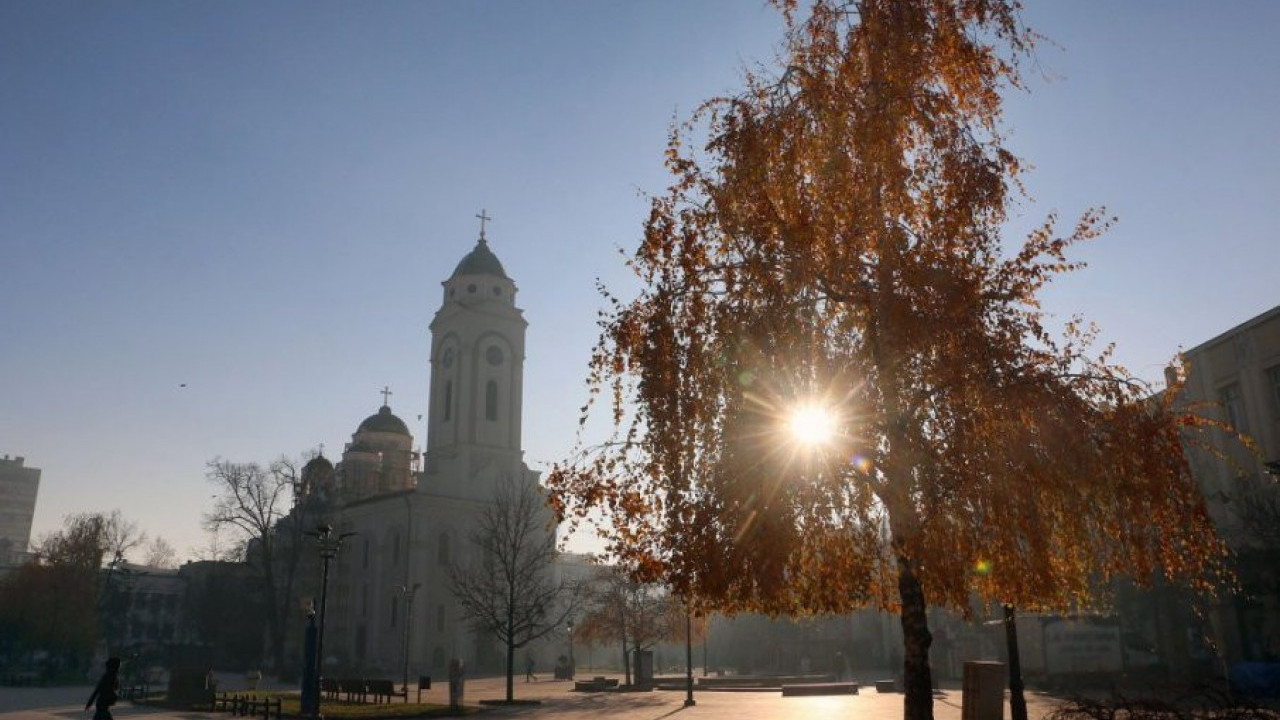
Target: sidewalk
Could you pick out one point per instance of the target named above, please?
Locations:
(558, 701)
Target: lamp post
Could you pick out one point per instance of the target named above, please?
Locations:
(408, 593)
(328, 546)
(573, 668)
(688, 659)
(1017, 700)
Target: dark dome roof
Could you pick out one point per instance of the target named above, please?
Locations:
(480, 261)
(385, 422)
(318, 463)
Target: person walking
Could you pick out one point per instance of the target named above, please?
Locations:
(104, 693)
(528, 669)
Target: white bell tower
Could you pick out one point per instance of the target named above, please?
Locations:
(477, 369)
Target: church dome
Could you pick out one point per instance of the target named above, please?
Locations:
(317, 464)
(384, 422)
(480, 261)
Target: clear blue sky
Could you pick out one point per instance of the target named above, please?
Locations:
(260, 199)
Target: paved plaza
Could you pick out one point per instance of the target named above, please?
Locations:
(556, 701)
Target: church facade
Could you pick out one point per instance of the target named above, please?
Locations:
(388, 594)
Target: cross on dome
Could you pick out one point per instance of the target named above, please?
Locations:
(386, 395)
(483, 219)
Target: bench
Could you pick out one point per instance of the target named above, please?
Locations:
(247, 705)
(380, 689)
(351, 690)
(596, 684)
(837, 688)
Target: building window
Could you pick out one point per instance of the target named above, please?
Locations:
(442, 550)
(491, 400)
(439, 618)
(1273, 384)
(1233, 405)
(448, 400)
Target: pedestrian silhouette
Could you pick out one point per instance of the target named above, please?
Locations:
(104, 693)
(528, 670)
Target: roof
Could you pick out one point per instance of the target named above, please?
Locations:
(383, 421)
(480, 261)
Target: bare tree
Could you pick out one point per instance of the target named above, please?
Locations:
(634, 614)
(160, 554)
(511, 592)
(218, 548)
(120, 536)
(251, 501)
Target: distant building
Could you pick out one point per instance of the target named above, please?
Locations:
(18, 488)
(1236, 376)
(143, 611)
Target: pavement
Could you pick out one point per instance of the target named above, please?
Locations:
(557, 700)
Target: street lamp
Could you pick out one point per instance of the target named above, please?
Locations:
(572, 665)
(328, 546)
(408, 594)
(688, 659)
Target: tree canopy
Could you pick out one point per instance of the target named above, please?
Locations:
(838, 244)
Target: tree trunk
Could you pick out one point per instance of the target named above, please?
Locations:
(1017, 700)
(626, 660)
(511, 654)
(916, 639)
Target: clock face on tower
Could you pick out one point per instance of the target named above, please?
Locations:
(447, 359)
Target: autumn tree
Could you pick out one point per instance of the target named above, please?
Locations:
(509, 590)
(636, 615)
(835, 251)
(52, 602)
(250, 502)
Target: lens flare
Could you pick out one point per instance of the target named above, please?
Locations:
(862, 463)
(812, 425)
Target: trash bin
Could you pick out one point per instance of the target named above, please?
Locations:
(983, 690)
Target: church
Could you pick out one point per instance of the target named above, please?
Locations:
(389, 600)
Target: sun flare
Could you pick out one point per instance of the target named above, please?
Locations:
(812, 425)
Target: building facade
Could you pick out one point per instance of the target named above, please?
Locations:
(1236, 377)
(19, 486)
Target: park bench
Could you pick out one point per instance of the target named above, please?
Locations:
(380, 689)
(352, 689)
(247, 706)
(828, 688)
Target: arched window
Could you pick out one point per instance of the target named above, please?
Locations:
(491, 400)
(442, 550)
(448, 400)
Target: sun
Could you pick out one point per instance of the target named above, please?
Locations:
(811, 425)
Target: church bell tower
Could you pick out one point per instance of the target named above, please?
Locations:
(477, 367)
